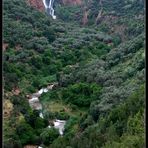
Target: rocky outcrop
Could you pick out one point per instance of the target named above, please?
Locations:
(72, 2)
(5, 46)
(85, 17)
(16, 91)
(99, 16)
(38, 4)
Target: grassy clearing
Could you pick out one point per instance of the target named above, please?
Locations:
(60, 106)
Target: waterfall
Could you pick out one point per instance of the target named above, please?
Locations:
(49, 7)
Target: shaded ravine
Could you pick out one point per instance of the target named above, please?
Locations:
(35, 104)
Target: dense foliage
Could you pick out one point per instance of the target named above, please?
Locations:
(99, 68)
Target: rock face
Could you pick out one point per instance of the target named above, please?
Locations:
(16, 91)
(5, 45)
(85, 17)
(72, 2)
(38, 4)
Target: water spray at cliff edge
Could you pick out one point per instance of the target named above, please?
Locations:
(49, 7)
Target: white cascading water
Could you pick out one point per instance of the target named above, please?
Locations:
(49, 7)
(35, 104)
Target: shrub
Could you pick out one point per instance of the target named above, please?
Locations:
(49, 135)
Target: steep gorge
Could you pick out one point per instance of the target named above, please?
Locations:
(94, 53)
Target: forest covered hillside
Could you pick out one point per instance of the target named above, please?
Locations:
(92, 60)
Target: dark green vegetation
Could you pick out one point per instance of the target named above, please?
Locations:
(100, 69)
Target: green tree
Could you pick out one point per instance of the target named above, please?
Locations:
(49, 135)
(26, 133)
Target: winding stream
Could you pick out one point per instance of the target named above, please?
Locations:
(35, 104)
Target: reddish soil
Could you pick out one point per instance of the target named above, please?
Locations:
(38, 4)
(5, 46)
(72, 2)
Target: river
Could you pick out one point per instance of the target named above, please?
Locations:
(35, 104)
